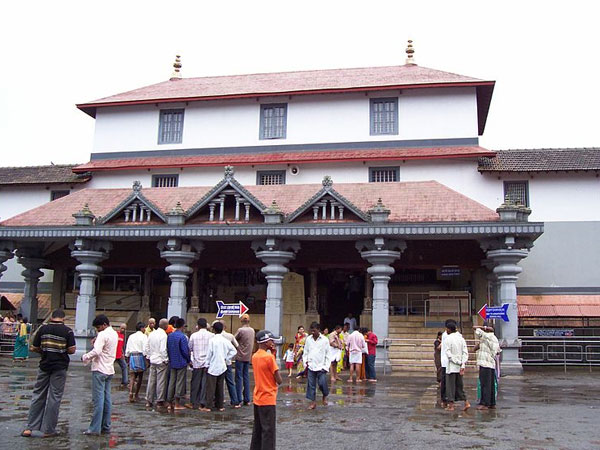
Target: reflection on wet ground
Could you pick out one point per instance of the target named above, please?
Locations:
(538, 410)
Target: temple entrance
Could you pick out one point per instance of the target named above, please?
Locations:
(340, 292)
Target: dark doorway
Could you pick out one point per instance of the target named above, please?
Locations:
(344, 293)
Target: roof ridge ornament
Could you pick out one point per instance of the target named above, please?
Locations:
(410, 51)
(229, 172)
(378, 212)
(84, 216)
(176, 75)
(327, 181)
(137, 186)
(273, 213)
(176, 216)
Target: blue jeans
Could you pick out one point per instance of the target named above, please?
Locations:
(242, 379)
(102, 404)
(123, 365)
(230, 382)
(316, 378)
(370, 367)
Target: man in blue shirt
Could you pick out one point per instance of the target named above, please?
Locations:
(179, 358)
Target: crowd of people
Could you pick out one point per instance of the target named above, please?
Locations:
(15, 330)
(217, 358)
(451, 356)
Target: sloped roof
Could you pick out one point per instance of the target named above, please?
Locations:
(241, 159)
(542, 160)
(299, 82)
(559, 305)
(52, 174)
(411, 202)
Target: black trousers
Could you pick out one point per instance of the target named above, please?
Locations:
(198, 387)
(263, 432)
(454, 387)
(214, 391)
(487, 382)
(443, 384)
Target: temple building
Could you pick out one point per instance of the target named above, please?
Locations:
(304, 195)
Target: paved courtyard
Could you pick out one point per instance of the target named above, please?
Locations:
(539, 410)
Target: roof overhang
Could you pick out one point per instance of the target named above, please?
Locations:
(484, 96)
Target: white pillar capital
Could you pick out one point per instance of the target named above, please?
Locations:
(180, 255)
(381, 253)
(275, 254)
(503, 263)
(89, 254)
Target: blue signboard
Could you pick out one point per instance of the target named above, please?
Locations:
(230, 309)
(494, 312)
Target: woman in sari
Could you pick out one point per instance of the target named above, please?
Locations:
(301, 370)
(21, 351)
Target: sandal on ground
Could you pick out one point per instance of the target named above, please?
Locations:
(26, 433)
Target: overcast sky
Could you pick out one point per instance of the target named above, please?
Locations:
(543, 56)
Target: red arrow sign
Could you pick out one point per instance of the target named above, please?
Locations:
(243, 309)
(482, 313)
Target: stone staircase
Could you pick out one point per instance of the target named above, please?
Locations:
(411, 349)
(115, 317)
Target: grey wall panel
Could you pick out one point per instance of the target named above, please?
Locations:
(566, 255)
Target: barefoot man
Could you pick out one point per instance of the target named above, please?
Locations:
(458, 354)
(316, 358)
(335, 342)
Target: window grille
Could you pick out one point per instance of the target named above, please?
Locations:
(384, 174)
(165, 180)
(55, 195)
(384, 116)
(273, 121)
(517, 192)
(171, 126)
(268, 177)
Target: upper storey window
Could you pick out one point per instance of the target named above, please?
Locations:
(384, 116)
(165, 180)
(517, 192)
(273, 121)
(170, 128)
(384, 174)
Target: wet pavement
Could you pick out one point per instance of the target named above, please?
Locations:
(539, 410)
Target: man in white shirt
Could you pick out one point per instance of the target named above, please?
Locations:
(102, 357)
(351, 321)
(199, 349)
(156, 352)
(458, 355)
(134, 352)
(219, 351)
(316, 357)
(229, 377)
(444, 361)
(487, 349)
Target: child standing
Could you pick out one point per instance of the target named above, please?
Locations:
(266, 381)
(288, 357)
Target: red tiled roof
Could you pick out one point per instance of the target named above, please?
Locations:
(559, 305)
(425, 201)
(52, 174)
(284, 83)
(242, 159)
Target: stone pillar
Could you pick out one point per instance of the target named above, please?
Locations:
(89, 254)
(144, 312)
(507, 271)
(313, 294)
(368, 299)
(195, 306)
(180, 255)
(381, 253)
(31, 259)
(6, 253)
(275, 254)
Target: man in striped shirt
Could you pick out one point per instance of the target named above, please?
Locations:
(55, 342)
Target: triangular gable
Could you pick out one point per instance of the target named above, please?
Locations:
(229, 182)
(327, 191)
(142, 212)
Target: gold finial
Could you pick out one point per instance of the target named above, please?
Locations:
(176, 68)
(410, 53)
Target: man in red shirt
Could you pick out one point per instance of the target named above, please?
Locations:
(266, 381)
(120, 358)
(370, 358)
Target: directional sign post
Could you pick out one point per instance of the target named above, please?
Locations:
(494, 312)
(230, 309)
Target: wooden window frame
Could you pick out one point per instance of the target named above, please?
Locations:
(525, 184)
(396, 170)
(261, 173)
(162, 123)
(373, 128)
(159, 176)
(263, 128)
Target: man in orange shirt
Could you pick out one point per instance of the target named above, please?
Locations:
(266, 381)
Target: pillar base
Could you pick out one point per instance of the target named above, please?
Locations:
(510, 363)
(382, 362)
(84, 345)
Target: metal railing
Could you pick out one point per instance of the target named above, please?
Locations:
(421, 351)
(408, 303)
(560, 351)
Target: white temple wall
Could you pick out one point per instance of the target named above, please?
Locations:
(423, 114)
